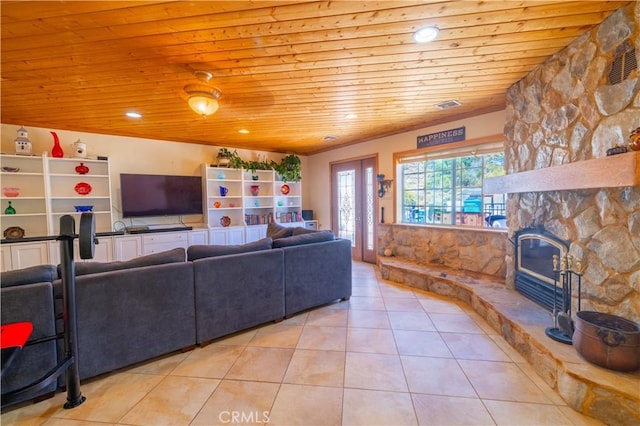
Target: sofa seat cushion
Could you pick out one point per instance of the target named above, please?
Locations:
(275, 231)
(201, 251)
(307, 238)
(170, 256)
(30, 275)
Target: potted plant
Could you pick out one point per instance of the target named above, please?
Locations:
(289, 168)
(227, 158)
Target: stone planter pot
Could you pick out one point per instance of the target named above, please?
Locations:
(607, 340)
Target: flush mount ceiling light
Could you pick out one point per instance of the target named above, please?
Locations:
(426, 34)
(203, 98)
(133, 114)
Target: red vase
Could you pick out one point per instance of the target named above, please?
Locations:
(82, 169)
(56, 151)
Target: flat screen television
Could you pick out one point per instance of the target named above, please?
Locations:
(160, 195)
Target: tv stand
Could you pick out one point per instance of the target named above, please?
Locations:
(152, 229)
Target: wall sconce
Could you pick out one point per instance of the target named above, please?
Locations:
(385, 185)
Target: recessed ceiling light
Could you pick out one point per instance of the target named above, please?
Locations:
(243, 131)
(426, 34)
(133, 114)
(351, 116)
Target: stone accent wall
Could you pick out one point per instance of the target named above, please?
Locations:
(566, 111)
(464, 249)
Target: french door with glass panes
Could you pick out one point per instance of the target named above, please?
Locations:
(353, 206)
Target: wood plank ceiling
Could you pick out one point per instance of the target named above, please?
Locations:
(292, 73)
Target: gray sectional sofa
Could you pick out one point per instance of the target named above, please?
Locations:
(153, 305)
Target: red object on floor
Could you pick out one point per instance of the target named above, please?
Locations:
(15, 334)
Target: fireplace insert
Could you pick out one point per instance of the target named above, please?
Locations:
(534, 275)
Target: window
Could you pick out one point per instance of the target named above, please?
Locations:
(447, 190)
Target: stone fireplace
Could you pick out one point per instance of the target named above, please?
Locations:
(567, 111)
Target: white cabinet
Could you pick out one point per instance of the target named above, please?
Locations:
(255, 233)
(156, 243)
(311, 224)
(127, 247)
(103, 251)
(198, 237)
(6, 258)
(233, 235)
(23, 255)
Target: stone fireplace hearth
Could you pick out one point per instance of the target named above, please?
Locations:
(566, 111)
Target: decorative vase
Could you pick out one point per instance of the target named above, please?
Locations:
(82, 169)
(56, 151)
(225, 221)
(10, 209)
(255, 177)
(255, 190)
(223, 191)
(634, 139)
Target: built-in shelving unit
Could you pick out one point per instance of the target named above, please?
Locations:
(608, 172)
(249, 199)
(30, 203)
(63, 179)
(223, 196)
(46, 191)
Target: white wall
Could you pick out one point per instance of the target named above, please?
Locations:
(132, 155)
(317, 177)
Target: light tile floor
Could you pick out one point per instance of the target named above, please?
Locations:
(390, 356)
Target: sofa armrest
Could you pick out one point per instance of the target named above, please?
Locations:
(316, 274)
(33, 303)
(128, 316)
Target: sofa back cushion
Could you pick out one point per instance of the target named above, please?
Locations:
(306, 238)
(201, 251)
(275, 231)
(30, 275)
(170, 256)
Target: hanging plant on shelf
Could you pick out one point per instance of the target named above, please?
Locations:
(289, 168)
(228, 158)
(256, 165)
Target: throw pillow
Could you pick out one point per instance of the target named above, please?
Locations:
(30, 275)
(275, 231)
(300, 230)
(200, 251)
(310, 238)
(169, 256)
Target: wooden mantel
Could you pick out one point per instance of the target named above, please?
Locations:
(607, 172)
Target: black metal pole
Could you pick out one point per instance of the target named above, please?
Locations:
(67, 234)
